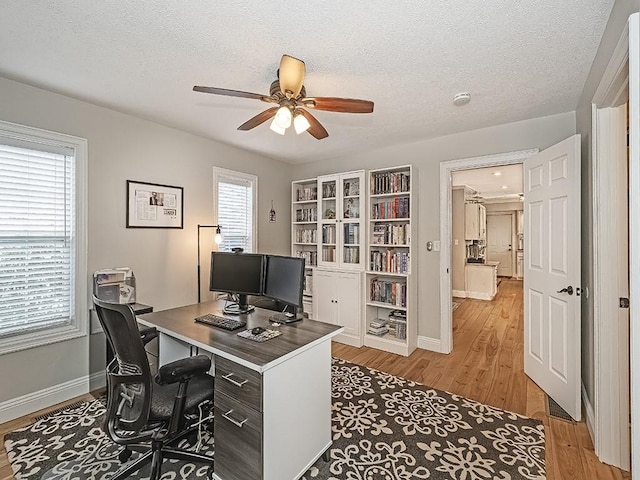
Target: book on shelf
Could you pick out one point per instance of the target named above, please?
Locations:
(390, 182)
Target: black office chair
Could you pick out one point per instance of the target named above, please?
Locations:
(143, 414)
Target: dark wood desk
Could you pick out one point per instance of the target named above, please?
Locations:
(272, 399)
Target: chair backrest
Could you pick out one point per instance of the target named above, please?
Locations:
(128, 374)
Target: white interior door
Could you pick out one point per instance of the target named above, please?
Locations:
(499, 247)
(552, 272)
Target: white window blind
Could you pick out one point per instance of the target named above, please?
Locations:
(37, 250)
(235, 207)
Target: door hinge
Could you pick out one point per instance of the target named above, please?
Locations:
(624, 302)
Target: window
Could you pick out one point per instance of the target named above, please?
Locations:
(235, 196)
(42, 237)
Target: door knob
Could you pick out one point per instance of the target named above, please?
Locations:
(568, 290)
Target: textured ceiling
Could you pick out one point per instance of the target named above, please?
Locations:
(519, 59)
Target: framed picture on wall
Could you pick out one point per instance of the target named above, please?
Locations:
(151, 205)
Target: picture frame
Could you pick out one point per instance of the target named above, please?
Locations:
(153, 205)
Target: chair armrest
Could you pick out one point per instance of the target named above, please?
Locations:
(147, 334)
(183, 369)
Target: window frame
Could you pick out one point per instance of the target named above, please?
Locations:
(222, 173)
(78, 322)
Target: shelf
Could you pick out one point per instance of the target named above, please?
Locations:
(382, 220)
(305, 223)
(301, 202)
(386, 305)
(351, 196)
(378, 273)
(387, 338)
(329, 198)
(392, 194)
(388, 245)
(304, 243)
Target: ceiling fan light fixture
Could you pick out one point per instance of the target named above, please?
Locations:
(276, 127)
(300, 123)
(283, 117)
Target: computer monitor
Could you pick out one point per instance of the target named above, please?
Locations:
(284, 282)
(239, 274)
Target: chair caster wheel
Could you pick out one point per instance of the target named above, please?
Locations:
(124, 455)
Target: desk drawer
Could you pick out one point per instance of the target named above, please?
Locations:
(238, 440)
(239, 383)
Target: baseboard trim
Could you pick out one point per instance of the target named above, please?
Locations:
(431, 344)
(459, 293)
(97, 380)
(47, 397)
(590, 415)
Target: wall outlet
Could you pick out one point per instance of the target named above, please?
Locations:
(455, 241)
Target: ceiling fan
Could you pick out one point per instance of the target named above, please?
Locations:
(289, 94)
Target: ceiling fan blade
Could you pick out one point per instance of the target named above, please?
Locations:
(258, 119)
(316, 129)
(231, 93)
(333, 104)
(291, 76)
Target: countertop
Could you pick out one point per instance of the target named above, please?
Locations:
(485, 264)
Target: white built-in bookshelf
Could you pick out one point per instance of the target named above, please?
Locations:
(304, 231)
(390, 280)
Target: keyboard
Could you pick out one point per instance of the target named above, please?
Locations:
(221, 322)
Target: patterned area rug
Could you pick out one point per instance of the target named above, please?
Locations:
(384, 428)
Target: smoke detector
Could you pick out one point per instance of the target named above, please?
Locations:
(461, 99)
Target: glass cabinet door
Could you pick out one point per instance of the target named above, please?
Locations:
(351, 189)
(328, 207)
(340, 226)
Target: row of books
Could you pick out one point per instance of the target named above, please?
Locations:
(328, 254)
(389, 292)
(394, 208)
(389, 261)
(390, 182)
(387, 234)
(305, 194)
(351, 255)
(310, 258)
(307, 214)
(307, 235)
(329, 234)
(351, 233)
(329, 190)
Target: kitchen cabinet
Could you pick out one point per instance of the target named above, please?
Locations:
(475, 222)
(337, 300)
(481, 280)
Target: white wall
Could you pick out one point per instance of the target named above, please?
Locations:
(426, 156)
(123, 147)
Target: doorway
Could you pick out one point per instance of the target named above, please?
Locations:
(447, 169)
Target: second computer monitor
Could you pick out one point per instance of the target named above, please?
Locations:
(284, 282)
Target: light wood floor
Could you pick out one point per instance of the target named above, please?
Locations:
(486, 365)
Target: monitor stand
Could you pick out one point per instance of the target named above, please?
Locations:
(240, 307)
(285, 317)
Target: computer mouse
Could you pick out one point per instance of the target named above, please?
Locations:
(257, 330)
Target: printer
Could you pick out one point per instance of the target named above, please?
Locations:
(115, 285)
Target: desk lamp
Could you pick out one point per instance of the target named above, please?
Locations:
(217, 239)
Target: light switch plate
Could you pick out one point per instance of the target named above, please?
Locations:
(436, 246)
